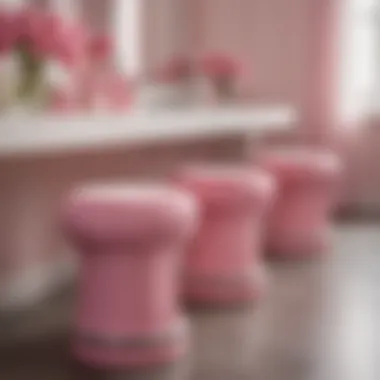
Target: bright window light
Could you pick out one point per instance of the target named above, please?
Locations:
(127, 32)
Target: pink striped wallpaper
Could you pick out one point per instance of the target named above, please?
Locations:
(270, 35)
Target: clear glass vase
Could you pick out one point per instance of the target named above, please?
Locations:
(23, 86)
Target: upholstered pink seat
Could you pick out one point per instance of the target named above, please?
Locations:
(308, 179)
(224, 265)
(130, 240)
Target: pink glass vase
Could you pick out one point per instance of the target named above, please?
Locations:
(130, 240)
(224, 265)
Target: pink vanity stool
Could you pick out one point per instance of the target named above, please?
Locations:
(224, 265)
(308, 179)
(131, 240)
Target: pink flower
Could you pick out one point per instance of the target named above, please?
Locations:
(60, 40)
(100, 47)
(28, 27)
(7, 31)
(47, 36)
(219, 65)
(176, 69)
(71, 48)
(51, 35)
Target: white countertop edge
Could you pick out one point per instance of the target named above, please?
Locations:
(35, 135)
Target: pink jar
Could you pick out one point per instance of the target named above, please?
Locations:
(130, 241)
(308, 179)
(224, 265)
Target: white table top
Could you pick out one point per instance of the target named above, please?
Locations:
(25, 135)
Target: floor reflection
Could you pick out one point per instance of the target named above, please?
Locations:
(318, 322)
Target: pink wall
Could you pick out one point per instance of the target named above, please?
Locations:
(162, 37)
(270, 35)
(288, 44)
(370, 173)
(285, 42)
(362, 187)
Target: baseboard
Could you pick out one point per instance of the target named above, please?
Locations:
(35, 284)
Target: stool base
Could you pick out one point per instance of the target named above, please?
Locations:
(224, 291)
(297, 247)
(133, 352)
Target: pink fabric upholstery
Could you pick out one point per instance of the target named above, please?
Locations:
(299, 223)
(130, 240)
(224, 266)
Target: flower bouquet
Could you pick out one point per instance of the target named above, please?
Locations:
(39, 52)
(223, 73)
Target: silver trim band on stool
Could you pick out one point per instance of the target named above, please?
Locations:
(180, 330)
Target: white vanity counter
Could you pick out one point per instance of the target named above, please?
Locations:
(25, 135)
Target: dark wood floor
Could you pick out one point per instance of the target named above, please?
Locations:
(318, 322)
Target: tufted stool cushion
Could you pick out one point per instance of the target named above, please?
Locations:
(224, 264)
(130, 239)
